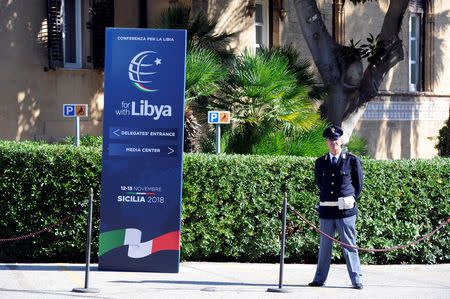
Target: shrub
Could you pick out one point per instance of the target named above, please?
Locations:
(85, 140)
(231, 209)
(41, 184)
(441, 144)
(357, 145)
(231, 206)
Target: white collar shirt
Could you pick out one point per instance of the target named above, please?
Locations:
(336, 156)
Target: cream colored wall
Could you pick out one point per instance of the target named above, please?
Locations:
(31, 97)
(232, 17)
(405, 127)
(402, 138)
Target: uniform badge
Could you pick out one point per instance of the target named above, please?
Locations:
(333, 130)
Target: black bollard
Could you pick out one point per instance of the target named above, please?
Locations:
(86, 288)
(280, 288)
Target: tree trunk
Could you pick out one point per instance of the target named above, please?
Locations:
(342, 71)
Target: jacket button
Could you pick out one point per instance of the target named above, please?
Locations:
(332, 183)
(332, 174)
(332, 192)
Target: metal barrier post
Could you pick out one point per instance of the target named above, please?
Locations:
(283, 237)
(86, 288)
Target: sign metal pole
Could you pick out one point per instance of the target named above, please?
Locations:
(77, 131)
(217, 138)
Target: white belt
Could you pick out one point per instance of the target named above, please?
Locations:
(344, 203)
(329, 203)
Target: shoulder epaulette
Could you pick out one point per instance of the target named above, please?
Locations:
(352, 154)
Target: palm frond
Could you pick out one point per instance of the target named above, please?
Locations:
(203, 72)
(174, 17)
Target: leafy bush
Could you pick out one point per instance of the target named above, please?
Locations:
(232, 203)
(309, 142)
(41, 184)
(441, 145)
(357, 145)
(231, 206)
(85, 140)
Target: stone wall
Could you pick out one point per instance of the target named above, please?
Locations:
(403, 125)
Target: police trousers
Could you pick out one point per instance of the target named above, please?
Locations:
(347, 234)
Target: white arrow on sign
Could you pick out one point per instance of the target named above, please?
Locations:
(170, 150)
(115, 132)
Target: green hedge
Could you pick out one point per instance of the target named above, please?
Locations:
(231, 206)
(41, 184)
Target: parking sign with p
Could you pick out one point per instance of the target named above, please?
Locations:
(218, 117)
(73, 110)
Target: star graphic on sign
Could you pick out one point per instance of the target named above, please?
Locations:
(158, 61)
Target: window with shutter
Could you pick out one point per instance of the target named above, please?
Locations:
(102, 17)
(55, 35)
(72, 33)
(64, 37)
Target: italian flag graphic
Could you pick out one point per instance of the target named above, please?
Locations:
(141, 87)
(132, 237)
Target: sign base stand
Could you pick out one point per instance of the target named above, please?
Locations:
(86, 290)
(279, 290)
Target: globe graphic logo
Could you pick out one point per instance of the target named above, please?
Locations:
(141, 70)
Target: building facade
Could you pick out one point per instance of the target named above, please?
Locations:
(53, 55)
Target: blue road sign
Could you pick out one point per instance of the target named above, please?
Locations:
(213, 117)
(218, 117)
(68, 110)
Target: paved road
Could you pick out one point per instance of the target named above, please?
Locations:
(223, 280)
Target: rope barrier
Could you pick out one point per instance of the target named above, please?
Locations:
(49, 227)
(367, 249)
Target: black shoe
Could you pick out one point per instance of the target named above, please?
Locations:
(315, 284)
(358, 286)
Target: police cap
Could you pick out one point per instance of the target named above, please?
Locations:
(333, 132)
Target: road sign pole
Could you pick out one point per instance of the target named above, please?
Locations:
(217, 138)
(77, 131)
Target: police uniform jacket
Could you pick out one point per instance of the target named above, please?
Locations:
(344, 179)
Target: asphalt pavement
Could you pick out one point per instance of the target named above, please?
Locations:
(223, 280)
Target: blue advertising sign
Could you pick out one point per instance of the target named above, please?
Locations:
(143, 120)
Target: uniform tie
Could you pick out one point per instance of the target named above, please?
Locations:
(334, 160)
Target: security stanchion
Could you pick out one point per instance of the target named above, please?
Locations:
(280, 288)
(86, 288)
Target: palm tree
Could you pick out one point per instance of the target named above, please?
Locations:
(200, 30)
(203, 72)
(264, 95)
(206, 50)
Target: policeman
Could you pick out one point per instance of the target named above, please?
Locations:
(340, 180)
